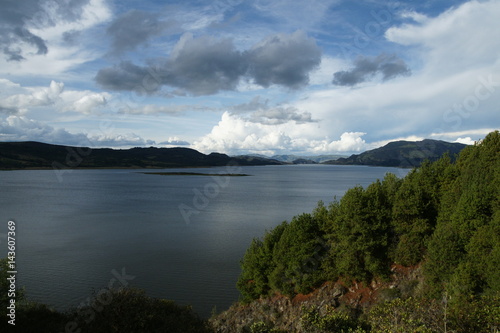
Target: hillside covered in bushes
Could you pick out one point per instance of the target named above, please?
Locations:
(441, 222)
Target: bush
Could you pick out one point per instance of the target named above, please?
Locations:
(332, 321)
(476, 314)
(131, 311)
(36, 317)
(406, 315)
(262, 327)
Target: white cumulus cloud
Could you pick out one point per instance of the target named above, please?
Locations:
(236, 135)
(55, 95)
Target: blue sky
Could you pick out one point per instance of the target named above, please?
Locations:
(235, 76)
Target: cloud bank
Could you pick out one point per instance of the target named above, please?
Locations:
(206, 65)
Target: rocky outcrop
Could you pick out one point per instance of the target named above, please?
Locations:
(285, 314)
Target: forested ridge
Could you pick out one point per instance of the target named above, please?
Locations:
(37, 155)
(443, 217)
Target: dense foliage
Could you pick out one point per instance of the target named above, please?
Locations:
(444, 215)
(125, 310)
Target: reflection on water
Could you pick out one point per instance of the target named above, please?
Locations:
(72, 234)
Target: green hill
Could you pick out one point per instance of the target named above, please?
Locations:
(406, 154)
(35, 155)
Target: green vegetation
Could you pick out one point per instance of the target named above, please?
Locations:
(119, 310)
(443, 216)
(262, 327)
(332, 321)
(128, 310)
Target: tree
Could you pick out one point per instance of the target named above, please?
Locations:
(359, 233)
(298, 256)
(258, 264)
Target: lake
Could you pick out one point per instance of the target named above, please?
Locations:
(178, 237)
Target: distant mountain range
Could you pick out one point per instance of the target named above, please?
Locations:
(298, 159)
(36, 155)
(404, 154)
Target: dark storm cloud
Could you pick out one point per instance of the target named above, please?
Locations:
(389, 66)
(200, 66)
(205, 65)
(284, 59)
(16, 18)
(134, 28)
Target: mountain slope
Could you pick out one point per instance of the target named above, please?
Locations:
(22, 155)
(402, 154)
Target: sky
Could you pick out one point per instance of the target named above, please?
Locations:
(248, 77)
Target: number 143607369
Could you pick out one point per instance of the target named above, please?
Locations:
(11, 265)
(11, 244)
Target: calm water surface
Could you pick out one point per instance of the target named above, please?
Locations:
(72, 234)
